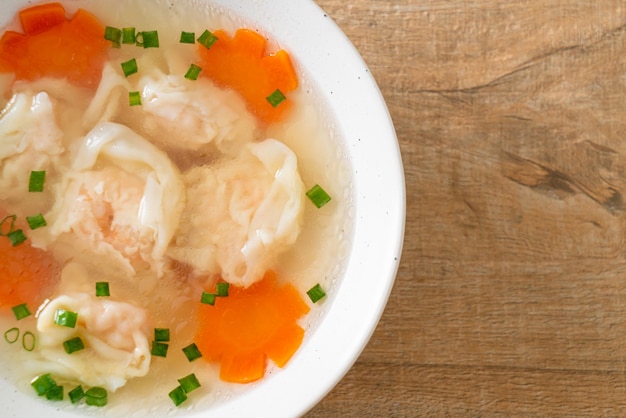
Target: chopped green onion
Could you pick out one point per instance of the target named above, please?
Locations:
(189, 383)
(12, 335)
(36, 181)
(162, 334)
(159, 349)
(76, 394)
(318, 196)
(207, 39)
(65, 318)
(128, 36)
(55, 393)
(16, 237)
(102, 289)
(207, 298)
(73, 345)
(113, 34)
(129, 67)
(178, 395)
(187, 38)
(36, 221)
(28, 341)
(192, 352)
(193, 72)
(134, 98)
(222, 289)
(96, 396)
(20, 311)
(43, 384)
(149, 39)
(276, 98)
(316, 293)
(12, 218)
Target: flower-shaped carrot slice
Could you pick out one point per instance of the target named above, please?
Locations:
(243, 64)
(250, 325)
(53, 47)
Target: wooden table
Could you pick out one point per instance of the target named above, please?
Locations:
(511, 296)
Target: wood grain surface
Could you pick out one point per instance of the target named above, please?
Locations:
(511, 296)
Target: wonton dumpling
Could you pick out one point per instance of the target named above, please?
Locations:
(115, 335)
(30, 139)
(120, 202)
(194, 115)
(241, 214)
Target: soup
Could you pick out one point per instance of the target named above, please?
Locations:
(167, 234)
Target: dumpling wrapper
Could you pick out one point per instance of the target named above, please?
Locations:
(116, 336)
(119, 204)
(241, 214)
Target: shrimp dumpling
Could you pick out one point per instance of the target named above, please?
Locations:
(119, 204)
(200, 116)
(115, 336)
(30, 140)
(242, 214)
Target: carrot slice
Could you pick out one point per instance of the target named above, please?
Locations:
(27, 274)
(39, 18)
(250, 325)
(73, 49)
(242, 64)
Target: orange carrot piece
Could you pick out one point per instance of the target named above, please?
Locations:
(250, 325)
(12, 45)
(28, 274)
(73, 49)
(285, 345)
(243, 367)
(40, 18)
(242, 64)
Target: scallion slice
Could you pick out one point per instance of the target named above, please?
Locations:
(193, 72)
(159, 349)
(76, 394)
(316, 293)
(162, 334)
(36, 221)
(36, 181)
(96, 396)
(20, 311)
(187, 38)
(189, 383)
(147, 39)
(55, 393)
(208, 298)
(178, 395)
(128, 35)
(192, 352)
(276, 98)
(129, 67)
(28, 341)
(11, 221)
(43, 384)
(65, 318)
(134, 98)
(207, 39)
(16, 237)
(222, 289)
(102, 289)
(73, 345)
(12, 335)
(318, 196)
(114, 35)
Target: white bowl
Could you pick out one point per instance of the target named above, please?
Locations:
(358, 300)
